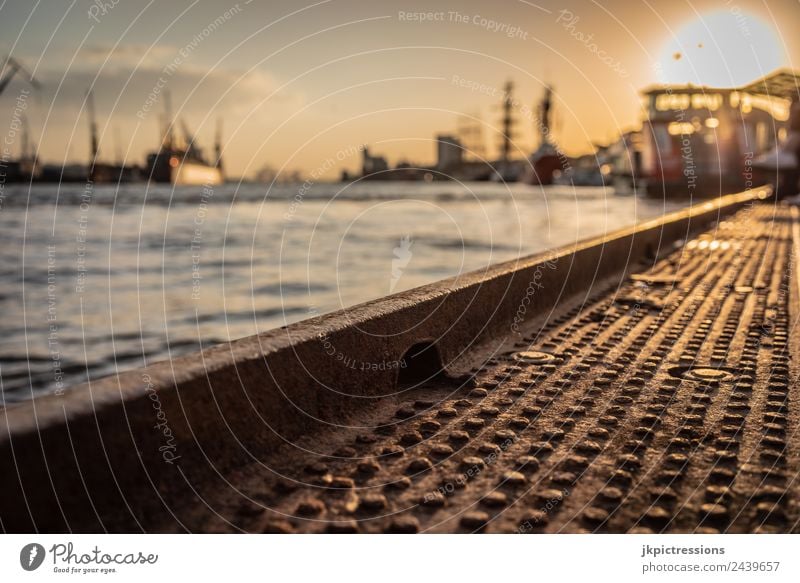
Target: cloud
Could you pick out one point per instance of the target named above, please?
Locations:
(130, 74)
(133, 79)
(130, 56)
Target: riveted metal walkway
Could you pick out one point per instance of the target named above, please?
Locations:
(664, 404)
(661, 399)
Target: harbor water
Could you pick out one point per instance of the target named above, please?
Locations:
(105, 279)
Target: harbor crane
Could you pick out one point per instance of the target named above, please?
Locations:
(13, 67)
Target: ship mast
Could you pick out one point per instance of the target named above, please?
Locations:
(168, 122)
(25, 142)
(192, 151)
(117, 147)
(27, 145)
(507, 121)
(218, 144)
(93, 141)
(545, 107)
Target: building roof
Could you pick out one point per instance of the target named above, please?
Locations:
(670, 88)
(781, 83)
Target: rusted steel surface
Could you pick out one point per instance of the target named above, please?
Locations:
(664, 405)
(645, 385)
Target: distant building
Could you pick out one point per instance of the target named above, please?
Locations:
(266, 174)
(373, 164)
(449, 153)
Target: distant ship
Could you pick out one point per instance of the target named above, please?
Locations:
(545, 161)
(95, 171)
(181, 162)
(701, 141)
(179, 166)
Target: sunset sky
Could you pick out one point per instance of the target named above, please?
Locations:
(297, 86)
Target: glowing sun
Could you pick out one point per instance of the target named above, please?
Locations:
(726, 48)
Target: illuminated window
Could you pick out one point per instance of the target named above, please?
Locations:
(710, 101)
(678, 128)
(747, 103)
(670, 101)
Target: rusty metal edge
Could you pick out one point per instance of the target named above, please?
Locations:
(232, 396)
(111, 388)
